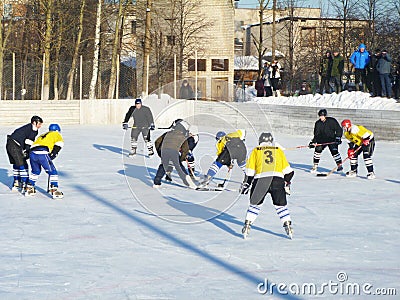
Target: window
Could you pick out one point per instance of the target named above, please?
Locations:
(201, 64)
(133, 27)
(308, 37)
(220, 64)
(170, 40)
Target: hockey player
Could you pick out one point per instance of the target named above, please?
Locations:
(327, 131)
(173, 148)
(359, 136)
(44, 150)
(267, 171)
(143, 123)
(18, 146)
(193, 139)
(229, 147)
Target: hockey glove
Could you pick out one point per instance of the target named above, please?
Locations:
(152, 126)
(189, 156)
(244, 188)
(52, 156)
(25, 154)
(338, 140)
(365, 142)
(124, 126)
(311, 145)
(287, 188)
(351, 152)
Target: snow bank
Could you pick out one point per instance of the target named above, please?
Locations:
(351, 100)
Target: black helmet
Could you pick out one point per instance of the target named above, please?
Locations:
(322, 112)
(36, 119)
(265, 137)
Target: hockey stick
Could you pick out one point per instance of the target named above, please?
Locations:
(335, 168)
(307, 146)
(226, 178)
(48, 183)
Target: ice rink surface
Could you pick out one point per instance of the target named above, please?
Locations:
(115, 237)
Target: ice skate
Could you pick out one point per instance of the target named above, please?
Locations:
(156, 186)
(314, 169)
(16, 186)
(371, 175)
(205, 181)
(351, 173)
(288, 228)
(30, 190)
(246, 229)
(56, 193)
(168, 176)
(189, 182)
(132, 153)
(340, 168)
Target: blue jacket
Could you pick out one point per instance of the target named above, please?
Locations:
(360, 59)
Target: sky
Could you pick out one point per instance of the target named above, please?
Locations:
(113, 236)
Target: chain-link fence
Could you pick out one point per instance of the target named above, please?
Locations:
(23, 80)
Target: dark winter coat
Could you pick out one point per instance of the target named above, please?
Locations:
(142, 117)
(373, 61)
(186, 92)
(325, 132)
(325, 66)
(337, 66)
(384, 64)
(174, 140)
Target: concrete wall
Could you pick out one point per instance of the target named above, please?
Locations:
(298, 120)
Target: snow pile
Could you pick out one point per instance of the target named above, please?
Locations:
(344, 99)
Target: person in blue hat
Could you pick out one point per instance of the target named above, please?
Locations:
(360, 59)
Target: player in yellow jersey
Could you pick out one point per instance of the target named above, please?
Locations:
(267, 171)
(43, 151)
(359, 136)
(230, 147)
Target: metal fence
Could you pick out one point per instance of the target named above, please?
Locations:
(23, 80)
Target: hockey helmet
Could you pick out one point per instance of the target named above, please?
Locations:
(322, 112)
(265, 137)
(54, 127)
(36, 119)
(182, 126)
(346, 123)
(219, 135)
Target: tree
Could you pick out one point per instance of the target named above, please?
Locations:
(96, 52)
(76, 52)
(116, 47)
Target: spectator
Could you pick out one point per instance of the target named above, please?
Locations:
(396, 86)
(186, 91)
(260, 87)
(305, 88)
(337, 70)
(275, 77)
(360, 60)
(383, 68)
(267, 82)
(325, 68)
(374, 82)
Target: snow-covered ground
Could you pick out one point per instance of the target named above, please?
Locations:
(115, 237)
(354, 100)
